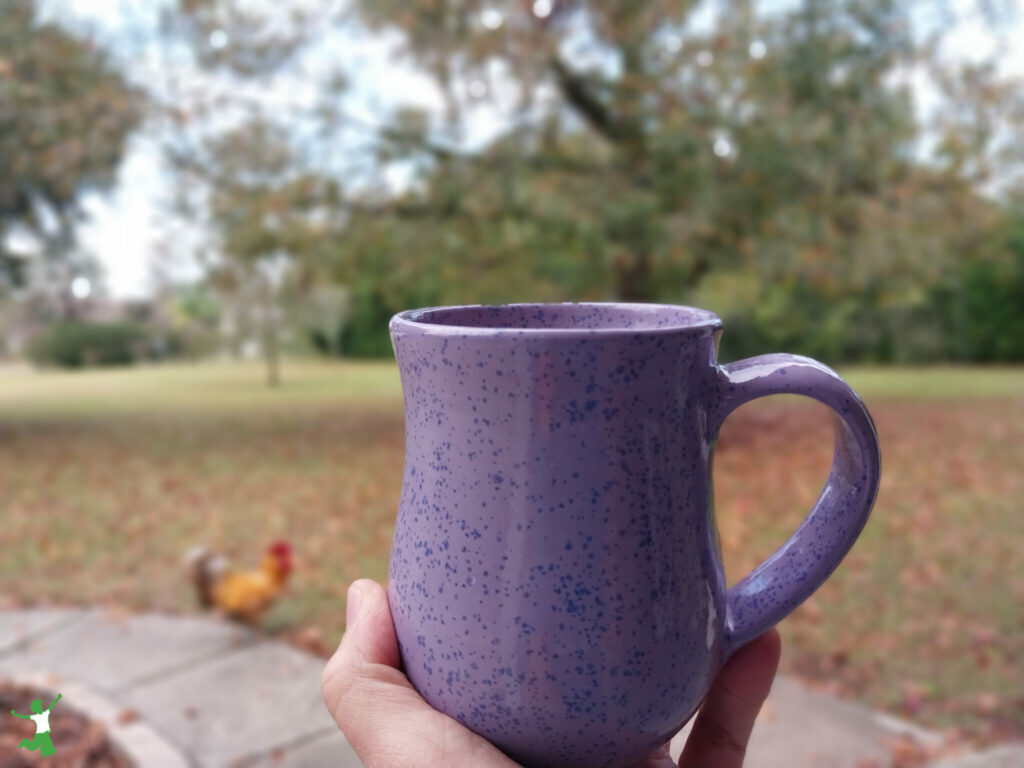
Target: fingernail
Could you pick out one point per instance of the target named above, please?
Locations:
(662, 751)
(355, 596)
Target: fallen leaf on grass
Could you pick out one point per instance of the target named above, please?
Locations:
(987, 702)
(127, 716)
(907, 752)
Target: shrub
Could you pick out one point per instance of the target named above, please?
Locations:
(365, 333)
(74, 344)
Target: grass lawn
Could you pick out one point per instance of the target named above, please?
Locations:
(107, 477)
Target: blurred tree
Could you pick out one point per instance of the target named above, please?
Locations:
(327, 313)
(982, 303)
(264, 210)
(644, 153)
(65, 116)
(78, 344)
(187, 320)
(651, 151)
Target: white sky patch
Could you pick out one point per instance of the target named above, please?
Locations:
(218, 39)
(129, 230)
(22, 242)
(477, 89)
(542, 8)
(81, 287)
(492, 18)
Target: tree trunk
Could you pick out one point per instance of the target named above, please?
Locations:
(272, 349)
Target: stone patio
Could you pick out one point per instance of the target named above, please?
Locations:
(192, 692)
(210, 694)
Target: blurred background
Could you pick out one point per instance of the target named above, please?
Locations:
(209, 209)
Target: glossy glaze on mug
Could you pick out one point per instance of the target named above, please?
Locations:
(554, 579)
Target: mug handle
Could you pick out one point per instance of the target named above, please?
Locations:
(787, 578)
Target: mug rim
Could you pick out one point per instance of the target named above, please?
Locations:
(414, 320)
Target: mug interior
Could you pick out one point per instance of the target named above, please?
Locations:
(566, 317)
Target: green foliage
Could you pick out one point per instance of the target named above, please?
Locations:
(983, 308)
(781, 190)
(65, 115)
(972, 312)
(618, 186)
(769, 167)
(365, 333)
(193, 314)
(75, 344)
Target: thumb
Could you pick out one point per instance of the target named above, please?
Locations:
(369, 629)
(384, 718)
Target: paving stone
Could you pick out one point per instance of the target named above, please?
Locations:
(18, 626)
(242, 704)
(800, 728)
(111, 652)
(330, 751)
(213, 695)
(1006, 756)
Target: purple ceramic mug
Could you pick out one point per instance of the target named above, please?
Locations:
(555, 579)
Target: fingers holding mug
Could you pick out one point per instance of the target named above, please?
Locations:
(384, 719)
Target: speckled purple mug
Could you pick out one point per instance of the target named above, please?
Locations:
(555, 579)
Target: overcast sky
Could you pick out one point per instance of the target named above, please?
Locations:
(128, 229)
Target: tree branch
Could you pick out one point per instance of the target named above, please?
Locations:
(400, 210)
(428, 210)
(580, 97)
(547, 161)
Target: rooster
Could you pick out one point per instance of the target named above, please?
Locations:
(242, 595)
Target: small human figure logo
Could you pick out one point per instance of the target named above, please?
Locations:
(41, 717)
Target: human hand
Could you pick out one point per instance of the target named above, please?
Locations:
(390, 725)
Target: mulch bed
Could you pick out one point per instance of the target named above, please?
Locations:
(80, 742)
